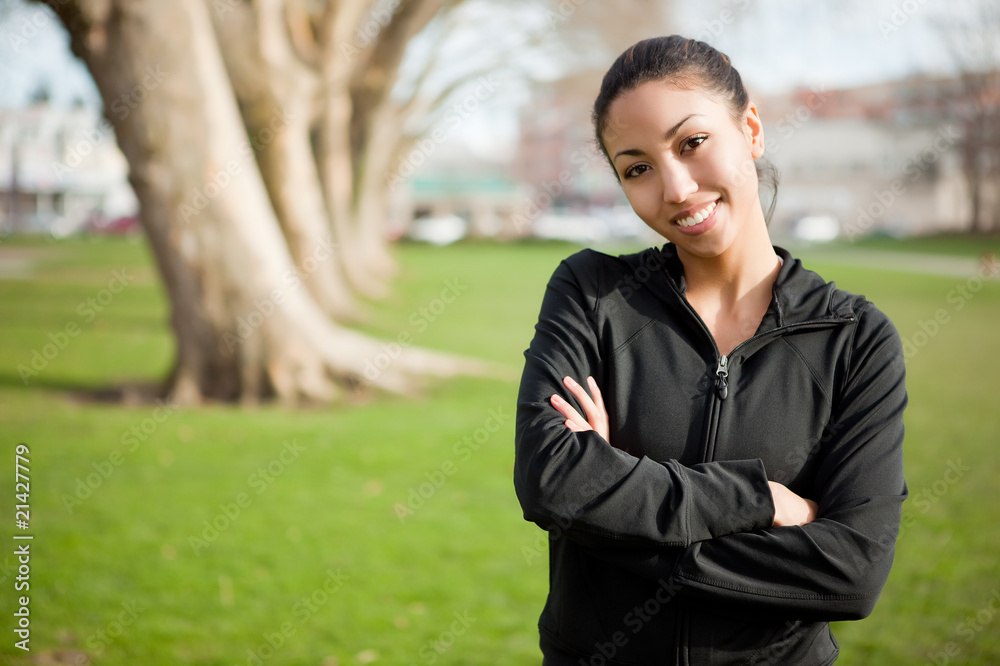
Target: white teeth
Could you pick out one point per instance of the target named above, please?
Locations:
(698, 217)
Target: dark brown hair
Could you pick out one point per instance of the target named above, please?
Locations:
(686, 63)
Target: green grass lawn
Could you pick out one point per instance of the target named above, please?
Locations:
(226, 536)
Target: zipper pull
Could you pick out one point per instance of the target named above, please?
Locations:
(722, 372)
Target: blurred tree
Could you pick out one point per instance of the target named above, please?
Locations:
(257, 136)
(972, 35)
(261, 139)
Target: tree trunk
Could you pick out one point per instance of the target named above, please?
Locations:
(376, 127)
(333, 137)
(246, 326)
(339, 186)
(278, 97)
(373, 192)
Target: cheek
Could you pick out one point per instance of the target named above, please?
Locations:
(734, 174)
(643, 200)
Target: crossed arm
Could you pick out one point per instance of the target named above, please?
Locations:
(789, 508)
(712, 525)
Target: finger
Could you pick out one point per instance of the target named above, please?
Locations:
(598, 398)
(583, 397)
(602, 426)
(568, 411)
(596, 415)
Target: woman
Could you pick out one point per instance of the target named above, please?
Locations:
(730, 479)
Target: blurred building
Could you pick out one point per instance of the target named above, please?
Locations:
(883, 158)
(452, 204)
(557, 152)
(573, 192)
(60, 171)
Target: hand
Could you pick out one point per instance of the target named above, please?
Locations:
(789, 508)
(597, 415)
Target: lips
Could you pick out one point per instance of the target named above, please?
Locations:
(698, 217)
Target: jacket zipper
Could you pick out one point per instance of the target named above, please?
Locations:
(722, 370)
(722, 366)
(715, 409)
(721, 373)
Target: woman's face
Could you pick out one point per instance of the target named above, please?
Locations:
(685, 166)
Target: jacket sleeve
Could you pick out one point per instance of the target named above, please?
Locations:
(593, 492)
(833, 568)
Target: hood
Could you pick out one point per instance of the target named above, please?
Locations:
(799, 295)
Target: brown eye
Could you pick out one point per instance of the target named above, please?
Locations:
(693, 142)
(636, 170)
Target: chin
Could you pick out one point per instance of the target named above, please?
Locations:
(706, 246)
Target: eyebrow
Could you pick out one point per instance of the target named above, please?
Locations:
(666, 137)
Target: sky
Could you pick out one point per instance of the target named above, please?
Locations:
(779, 44)
(775, 44)
(34, 51)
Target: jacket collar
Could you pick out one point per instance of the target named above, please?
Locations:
(799, 295)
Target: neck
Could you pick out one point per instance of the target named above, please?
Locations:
(748, 265)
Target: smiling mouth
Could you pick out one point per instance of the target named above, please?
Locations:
(699, 216)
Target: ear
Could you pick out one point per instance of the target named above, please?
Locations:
(753, 128)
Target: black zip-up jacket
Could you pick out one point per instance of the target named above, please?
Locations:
(661, 545)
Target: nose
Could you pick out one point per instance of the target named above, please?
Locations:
(678, 184)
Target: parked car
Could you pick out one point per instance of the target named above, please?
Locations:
(816, 228)
(439, 229)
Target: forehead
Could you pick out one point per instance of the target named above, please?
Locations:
(652, 108)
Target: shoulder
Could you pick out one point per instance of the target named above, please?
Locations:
(875, 336)
(809, 295)
(598, 274)
(875, 344)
